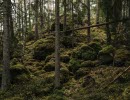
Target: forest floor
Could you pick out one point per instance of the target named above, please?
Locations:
(81, 79)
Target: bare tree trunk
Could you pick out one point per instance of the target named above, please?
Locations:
(64, 15)
(36, 20)
(57, 46)
(88, 22)
(98, 11)
(6, 53)
(108, 30)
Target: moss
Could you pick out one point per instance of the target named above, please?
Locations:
(68, 42)
(18, 71)
(64, 75)
(65, 58)
(50, 66)
(96, 46)
(88, 63)
(74, 65)
(48, 58)
(106, 55)
(126, 93)
(107, 50)
(43, 48)
(121, 56)
(80, 73)
(85, 52)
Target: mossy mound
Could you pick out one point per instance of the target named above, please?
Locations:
(68, 41)
(43, 48)
(96, 46)
(50, 66)
(74, 65)
(81, 72)
(65, 58)
(18, 73)
(121, 56)
(85, 52)
(65, 75)
(89, 63)
(106, 55)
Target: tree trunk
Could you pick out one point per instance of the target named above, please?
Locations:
(64, 15)
(108, 30)
(36, 20)
(6, 53)
(88, 22)
(57, 46)
(98, 11)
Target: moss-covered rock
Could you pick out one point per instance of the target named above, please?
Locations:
(121, 56)
(43, 48)
(50, 66)
(96, 46)
(89, 63)
(106, 55)
(85, 52)
(81, 72)
(65, 58)
(18, 72)
(74, 65)
(65, 75)
(68, 41)
(88, 81)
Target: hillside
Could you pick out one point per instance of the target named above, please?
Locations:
(85, 69)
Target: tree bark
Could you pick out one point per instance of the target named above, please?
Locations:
(57, 46)
(6, 53)
(88, 22)
(36, 20)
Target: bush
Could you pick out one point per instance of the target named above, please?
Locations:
(43, 48)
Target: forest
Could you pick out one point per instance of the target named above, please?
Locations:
(64, 49)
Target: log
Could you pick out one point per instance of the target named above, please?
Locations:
(120, 74)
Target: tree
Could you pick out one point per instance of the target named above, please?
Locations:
(36, 20)
(57, 46)
(88, 21)
(6, 40)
